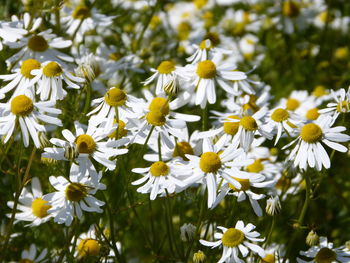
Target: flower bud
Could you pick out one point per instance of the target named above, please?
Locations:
(199, 257)
(312, 238)
(187, 232)
(273, 206)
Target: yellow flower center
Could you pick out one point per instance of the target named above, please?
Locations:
(311, 133)
(38, 43)
(89, 247)
(206, 69)
(155, 118)
(27, 67)
(248, 123)
(115, 97)
(40, 207)
(166, 67)
(255, 167)
(325, 255)
(312, 114)
(251, 104)
(210, 162)
(290, 8)
(343, 106)
(292, 104)
(122, 132)
(181, 149)
(325, 17)
(319, 91)
(85, 143)
(76, 192)
(341, 53)
(270, 258)
(232, 237)
(279, 115)
(183, 29)
(231, 127)
(203, 45)
(26, 260)
(160, 104)
(200, 3)
(52, 69)
(22, 105)
(115, 56)
(159, 169)
(245, 184)
(155, 21)
(81, 12)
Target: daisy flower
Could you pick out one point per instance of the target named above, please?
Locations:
(31, 255)
(325, 252)
(50, 77)
(83, 19)
(74, 196)
(24, 111)
(88, 244)
(42, 47)
(165, 74)
(309, 150)
(87, 144)
(236, 240)
(114, 100)
(297, 99)
(206, 73)
(214, 165)
(341, 103)
(22, 79)
(32, 206)
(282, 121)
(160, 177)
(248, 184)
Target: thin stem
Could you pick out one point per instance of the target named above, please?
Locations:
(87, 99)
(270, 232)
(307, 198)
(205, 118)
(159, 148)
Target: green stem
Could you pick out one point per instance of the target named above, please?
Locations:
(270, 232)
(87, 99)
(205, 118)
(307, 198)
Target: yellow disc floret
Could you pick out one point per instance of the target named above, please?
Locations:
(232, 237)
(76, 192)
(312, 114)
(166, 67)
(280, 115)
(325, 255)
(40, 207)
(159, 169)
(156, 118)
(245, 184)
(269, 258)
(231, 127)
(89, 247)
(181, 149)
(255, 167)
(21, 105)
(206, 69)
(81, 12)
(290, 8)
(319, 91)
(26, 260)
(52, 69)
(160, 104)
(115, 97)
(248, 123)
(38, 43)
(85, 144)
(27, 67)
(210, 162)
(120, 131)
(311, 133)
(292, 104)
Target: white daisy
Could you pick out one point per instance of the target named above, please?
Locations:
(74, 196)
(31, 255)
(42, 47)
(160, 177)
(24, 111)
(235, 241)
(309, 150)
(88, 244)
(89, 143)
(325, 252)
(341, 103)
(206, 73)
(10, 32)
(49, 78)
(32, 206)
(215, 165)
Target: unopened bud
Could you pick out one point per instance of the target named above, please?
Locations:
(273, 206)
(199, 257)
(312, 238)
